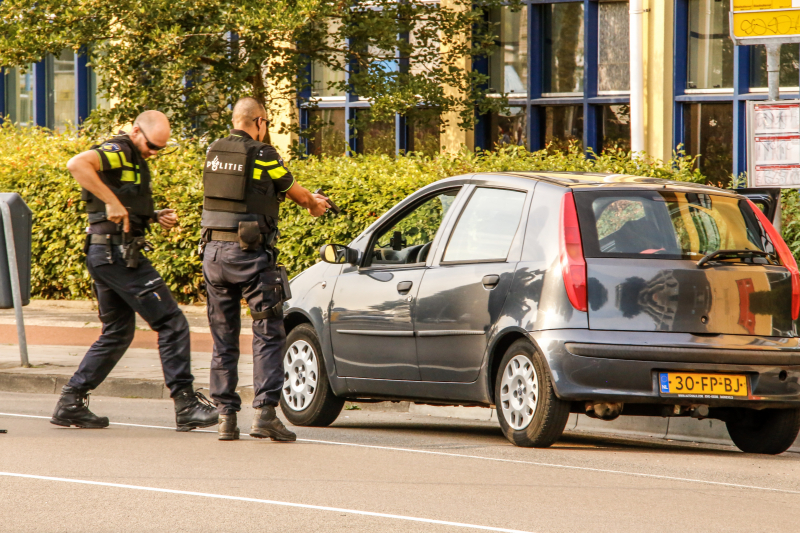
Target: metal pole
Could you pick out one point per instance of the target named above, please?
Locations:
(636, 21)
(774, 70)
(13, 273)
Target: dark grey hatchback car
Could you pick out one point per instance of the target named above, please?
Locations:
(543, 294)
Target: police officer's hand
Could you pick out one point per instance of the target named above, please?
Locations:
(167, 218)
(116, 213)
(320, 206)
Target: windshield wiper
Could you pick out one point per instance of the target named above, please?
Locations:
(734, 253)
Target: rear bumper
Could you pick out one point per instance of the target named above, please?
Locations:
(623, 366)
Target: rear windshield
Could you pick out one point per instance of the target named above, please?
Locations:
(666, 224)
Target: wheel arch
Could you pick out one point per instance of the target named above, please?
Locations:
(294, 318)
(498, 349)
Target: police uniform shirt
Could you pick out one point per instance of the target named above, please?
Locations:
(269, 165)
(118, 168)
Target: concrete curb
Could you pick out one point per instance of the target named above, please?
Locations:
(676, 429)
(115, 387)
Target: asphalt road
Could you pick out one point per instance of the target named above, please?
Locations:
(370, 472)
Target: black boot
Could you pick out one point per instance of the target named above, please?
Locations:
(227, 427)
(267, 424)
(73, 410)
(193, 410)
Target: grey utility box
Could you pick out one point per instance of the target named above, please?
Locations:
(22, 225)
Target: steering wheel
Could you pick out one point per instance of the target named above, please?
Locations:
(423, 252)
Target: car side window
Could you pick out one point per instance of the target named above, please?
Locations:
(409, 240)
(487, 226)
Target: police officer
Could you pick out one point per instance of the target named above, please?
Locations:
(116, 187)
(244, 182)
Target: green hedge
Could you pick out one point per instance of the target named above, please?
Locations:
(33, 163)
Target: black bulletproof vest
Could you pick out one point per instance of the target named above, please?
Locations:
(230, 194)
(137, 198)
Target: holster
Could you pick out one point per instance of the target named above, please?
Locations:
(285, 289)
(131, 250)
(249, 236)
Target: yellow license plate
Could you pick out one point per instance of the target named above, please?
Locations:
(692, 385)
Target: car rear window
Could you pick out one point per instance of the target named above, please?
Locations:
(666, 224)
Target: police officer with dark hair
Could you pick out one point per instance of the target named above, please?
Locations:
(244, 182)
(116, 187)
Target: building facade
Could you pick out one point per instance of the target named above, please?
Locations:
(564, 66)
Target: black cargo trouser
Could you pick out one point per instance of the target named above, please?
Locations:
(231, 274)
(122, 292)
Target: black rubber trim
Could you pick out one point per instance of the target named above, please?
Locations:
(685, 355)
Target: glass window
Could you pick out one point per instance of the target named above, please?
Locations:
(328, 138)
(324, 79)
(709, 135)
(487, 226)
(509, 128)
(617, 127)
(677, 224)
(508, 65)
(96, 100)
(64, 111)
(613, 62)
(408, 241)
(424, 136)
(710, 46)
(563, 48)
(19, 96)
(374, 136)
(789, 75)
(563, 125)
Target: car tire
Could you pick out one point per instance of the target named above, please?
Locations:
(306, 395)
(771, 431)
(529, 412)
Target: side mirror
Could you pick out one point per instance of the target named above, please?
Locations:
(338, 254)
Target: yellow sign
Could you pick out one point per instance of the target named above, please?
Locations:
(784, 23)
(752, 5)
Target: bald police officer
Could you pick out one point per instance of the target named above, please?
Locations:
(119, 201)
(244, 182)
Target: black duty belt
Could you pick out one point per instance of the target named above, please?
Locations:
(98, 238)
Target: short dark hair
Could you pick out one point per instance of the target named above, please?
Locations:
(246, 110)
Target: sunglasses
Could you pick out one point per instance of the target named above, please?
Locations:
(150, 145)
(258, 125)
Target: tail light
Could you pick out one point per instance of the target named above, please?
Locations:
(573, 266)
(784, 254)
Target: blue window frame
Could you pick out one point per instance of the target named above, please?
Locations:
(696, 108)
(61, 91)
(339, 113)
(558, 110)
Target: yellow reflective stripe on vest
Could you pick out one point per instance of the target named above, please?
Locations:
(277, 173)
(257, 173)
(261, 163)
(125, 161)
(113, 159)
(129, 175)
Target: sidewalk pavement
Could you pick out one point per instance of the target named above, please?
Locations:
(60, 332)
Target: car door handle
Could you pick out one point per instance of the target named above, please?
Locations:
(491, 281)
(404, 286)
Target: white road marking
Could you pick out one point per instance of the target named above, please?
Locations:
(269, 502)
(483, 458)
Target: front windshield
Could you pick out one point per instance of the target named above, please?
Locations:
(666, 223)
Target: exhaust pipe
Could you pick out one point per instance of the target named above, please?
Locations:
(604, 410)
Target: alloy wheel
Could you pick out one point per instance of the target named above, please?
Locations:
(519, 392)
(301, 372)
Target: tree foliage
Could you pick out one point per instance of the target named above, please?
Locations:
(33, 163)
(193, 58)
